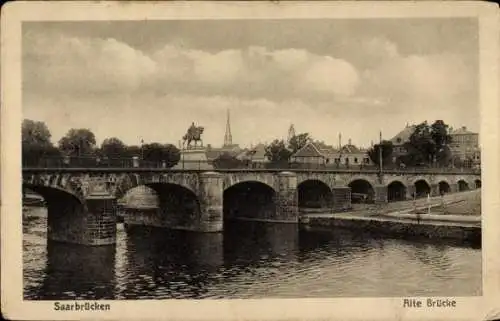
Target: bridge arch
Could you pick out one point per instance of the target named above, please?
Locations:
(362, 190)
(314, 193)
(444, 187)
(249, 200)
(130, 181)
(477, 183)
(238, 178)
(65, 212)
(462, 185)
(422, 187)
(396, 191)
(46, 184)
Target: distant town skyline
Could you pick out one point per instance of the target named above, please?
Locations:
(150, 79)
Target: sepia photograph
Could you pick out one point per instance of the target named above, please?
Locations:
(209, 158)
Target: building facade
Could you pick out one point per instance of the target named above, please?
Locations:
(346, 156)
(400, 139)
(465, 145)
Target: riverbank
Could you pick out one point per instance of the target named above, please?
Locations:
(455, 216)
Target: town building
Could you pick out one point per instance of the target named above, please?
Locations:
(255, 155)
(351, 155)
(400, 139)
(465, 146)
(309, 154)
(346, 156)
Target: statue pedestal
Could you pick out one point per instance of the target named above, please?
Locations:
(194, 158)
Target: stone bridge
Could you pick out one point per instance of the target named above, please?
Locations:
(82, 202)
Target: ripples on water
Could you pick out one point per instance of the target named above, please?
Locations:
(248, 260)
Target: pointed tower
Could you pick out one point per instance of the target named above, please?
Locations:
(228, 138)
(291, 132)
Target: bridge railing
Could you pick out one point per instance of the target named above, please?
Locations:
(95, 162)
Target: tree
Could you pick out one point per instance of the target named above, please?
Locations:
(387, 149)
(113, 148)
(444, 156)
(277, 152)
(440, 133)
(442, 139)
(226, 160)
(132, 151)
(159, 153)
(78, 142)
(298, 141)
(428, 144)
(36, 142)
(172, 155)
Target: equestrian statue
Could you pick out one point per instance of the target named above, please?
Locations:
(193, 134)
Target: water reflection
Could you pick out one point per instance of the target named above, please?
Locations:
(78, 272)
(256, 243)
(247, 260)
(179, 262)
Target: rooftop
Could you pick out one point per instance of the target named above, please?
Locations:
(404, 135)
(461, 131)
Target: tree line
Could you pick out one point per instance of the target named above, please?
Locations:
(81, 143)
(428, 145)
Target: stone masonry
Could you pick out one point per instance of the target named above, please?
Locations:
(82, 204)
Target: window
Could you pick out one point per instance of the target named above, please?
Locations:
(398, 139)
(356, 160)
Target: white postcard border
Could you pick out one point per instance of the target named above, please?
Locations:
(14, 307)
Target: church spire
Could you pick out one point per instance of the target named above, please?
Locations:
(228, 138)
(291, 132)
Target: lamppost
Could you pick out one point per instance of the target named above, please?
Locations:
(380, 159)
(182, 155)
(142, 150)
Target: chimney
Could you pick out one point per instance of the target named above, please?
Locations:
(464, 128)
(350, 142)
(340, 140)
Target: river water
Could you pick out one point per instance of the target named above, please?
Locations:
(248, 260)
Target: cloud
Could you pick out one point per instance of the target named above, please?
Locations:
(95, 65)
(159, 92)
(435, 80)
(67, 64)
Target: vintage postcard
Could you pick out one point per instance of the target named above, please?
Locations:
(250, 161)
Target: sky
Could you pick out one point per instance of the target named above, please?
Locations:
(150, 79)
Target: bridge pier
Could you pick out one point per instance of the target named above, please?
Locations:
(287, 203)
(435, 190)
(211, 189)
(92, 223)
(410, 191)
(380, 194)
(341, 199)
